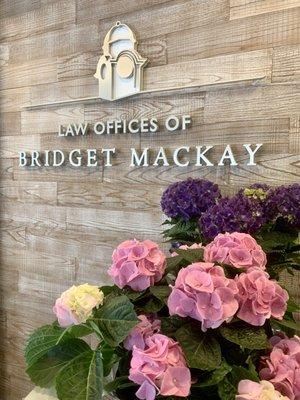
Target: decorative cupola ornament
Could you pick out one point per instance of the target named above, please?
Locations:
(120, 68)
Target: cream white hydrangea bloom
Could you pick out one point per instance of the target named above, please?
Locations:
(76, 304)
(263, 390)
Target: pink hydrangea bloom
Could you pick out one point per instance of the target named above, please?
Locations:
(282, 367)
(194, 246)
(160, 368)
(237, 249)
(137, 264)
(259, 297)
(203, 292)
(249, 390)
(141, 332)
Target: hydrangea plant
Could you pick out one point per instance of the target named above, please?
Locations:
(270, 215)
(207, 322)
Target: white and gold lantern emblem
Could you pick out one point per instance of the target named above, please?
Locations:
(120, 67)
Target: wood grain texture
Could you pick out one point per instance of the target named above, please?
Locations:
(48, 120)
(233, 66)
(12, 100)
(60, 42)
(226, 37)
(249, 66)
(43, 19)
(275, 132)
(248, 8)
(221, 69)
(4, 54)
(24, 192)
(256, 102)
(63, 91)
(286, 64)
(29, 74)
(294, 137)
(104, 195)
(6, 168)
(14, 7)
(11, 145)
(100, 9)
(169, 17)
(83, 64)
(51, 174)
(10, 123)
(160, 106)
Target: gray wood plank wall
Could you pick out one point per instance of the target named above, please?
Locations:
(59, 227)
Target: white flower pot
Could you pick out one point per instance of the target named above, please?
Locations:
(49, 394)
(41, 394)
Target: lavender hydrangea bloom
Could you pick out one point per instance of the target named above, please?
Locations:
(190, 198)
(236, 214)
(284, 202)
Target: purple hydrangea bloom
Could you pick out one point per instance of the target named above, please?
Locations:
(284, 202)
(190, 198)
(236, 214)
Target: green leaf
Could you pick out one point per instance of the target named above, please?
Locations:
(215, 377)
(44, 370)
(276, 240)
(116, 291)
(276, 269)
(251, 367)
(174, 264)
(43, 339)
(115, 319)
(153, 305)
(124, 363)
(183, 259)
(202, 350)
(161, 292)
(288, 330)
(183, 231)
(169, 325)
(109, 358)
(294, 266)
(81, 378)
(227, 388)
(119, 383)
(239, 373)
(247, 336)
(110, 289)
(294, 248)
(292, 306)
(287, 323)
(80, 330)
(231, 271)
(132, 295)
(191, 255)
